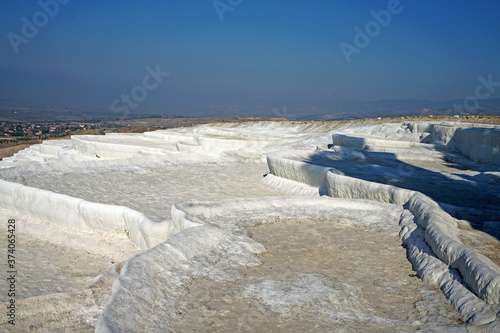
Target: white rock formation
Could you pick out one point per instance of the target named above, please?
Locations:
(416, 180)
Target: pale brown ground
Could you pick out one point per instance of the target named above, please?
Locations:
(9, 151)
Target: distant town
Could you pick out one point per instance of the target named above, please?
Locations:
(42, 129)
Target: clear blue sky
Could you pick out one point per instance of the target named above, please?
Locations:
(264, 54)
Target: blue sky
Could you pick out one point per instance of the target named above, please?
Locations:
(263, 54)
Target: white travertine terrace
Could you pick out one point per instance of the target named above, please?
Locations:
(410, 173)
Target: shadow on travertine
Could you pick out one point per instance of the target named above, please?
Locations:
(480, 198)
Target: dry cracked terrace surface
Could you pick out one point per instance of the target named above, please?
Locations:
(154, 191)
(318, 276)
(55, 271)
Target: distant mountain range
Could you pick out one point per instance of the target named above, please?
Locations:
(30, 98)
(18, 111)
(402, 108)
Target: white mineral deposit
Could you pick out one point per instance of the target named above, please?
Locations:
(257, 227)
